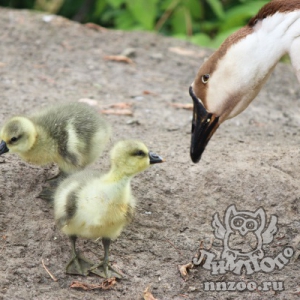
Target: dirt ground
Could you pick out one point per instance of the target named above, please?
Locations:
(252, 161)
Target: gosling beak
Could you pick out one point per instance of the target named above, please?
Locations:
(204, 125)
(154, 158)
(3, 147)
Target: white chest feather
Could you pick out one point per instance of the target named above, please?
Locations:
(102, 210)
(246, 66)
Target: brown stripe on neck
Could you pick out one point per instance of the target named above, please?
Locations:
(273, 7)
(268, 10)
(209, 66)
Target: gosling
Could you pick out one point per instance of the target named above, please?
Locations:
(92, 206)
(71, 135)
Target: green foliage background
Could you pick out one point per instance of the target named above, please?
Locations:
(204, 22)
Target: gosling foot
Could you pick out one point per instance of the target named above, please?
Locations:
(105, 270)
(79, 265)
(47, 194)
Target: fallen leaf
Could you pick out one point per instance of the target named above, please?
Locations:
(147, 295)
(184, 269)
(121, 105)
(186, 52)
(188, 106)
(95, 27)
(104, 285)
(124, 112)
(148, 93)
(119, 58)
(88, 101)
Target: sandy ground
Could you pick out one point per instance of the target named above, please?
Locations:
(252, 161)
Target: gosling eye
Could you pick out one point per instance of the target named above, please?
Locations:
(13, 139)
(205, 78)
(140, 153)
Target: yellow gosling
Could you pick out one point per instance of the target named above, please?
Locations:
(91, 205)
(72, 135)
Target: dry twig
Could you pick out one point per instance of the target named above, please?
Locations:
(121, 105)
(52, 276)
(187, 106)
(119, 58)
(124, 112)
(173, 246)
(95, 27)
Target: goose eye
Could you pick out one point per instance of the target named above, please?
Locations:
(205, 78)
(140, 153)
(13, 139)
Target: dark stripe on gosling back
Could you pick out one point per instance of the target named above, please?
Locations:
(63, 147)
(70, 210)
(83, 118)
(71, 205)
(129, 213)
(87, 125)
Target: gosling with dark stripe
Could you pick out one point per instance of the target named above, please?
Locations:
(72, 135)
(91, 205)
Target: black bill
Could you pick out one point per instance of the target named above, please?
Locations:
(3, 147)
(204, 125)
(154, 158)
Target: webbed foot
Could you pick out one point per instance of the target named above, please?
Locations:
(47, 194)
(105, 270)
(79, 265)
(58, 177)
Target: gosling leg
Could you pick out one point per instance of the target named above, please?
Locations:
(78, 264)
(58, 177)
(104, 269)
(47, 193)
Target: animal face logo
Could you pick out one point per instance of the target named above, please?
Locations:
(244, 233)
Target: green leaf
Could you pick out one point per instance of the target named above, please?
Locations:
(195, 8)
(178, 21)
(124, 20)
(217, 8)
(210, 26)
(200, 39)
(164, 5)
(114, 3)
(99, 8)
(144, 11)
(220, 38)
(239, 15)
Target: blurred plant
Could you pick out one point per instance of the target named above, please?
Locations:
(204, 22)
(51, 6)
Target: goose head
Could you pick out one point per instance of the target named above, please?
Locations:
(232, 76)
(18, 136)
(131, 157)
